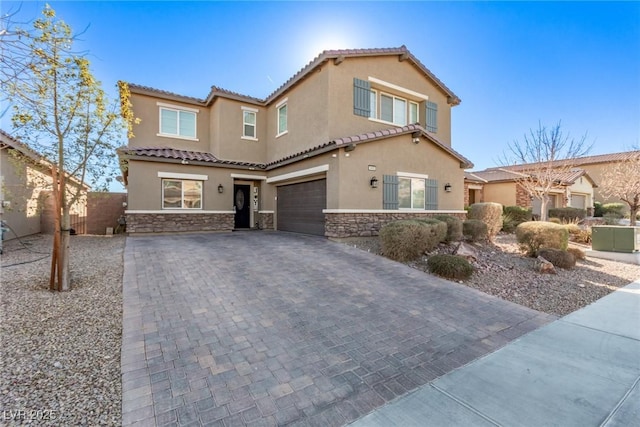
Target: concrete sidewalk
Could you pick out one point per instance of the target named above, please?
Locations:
(581, 370)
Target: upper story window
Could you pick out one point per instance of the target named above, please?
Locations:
(177, 122)
(282, 117)
(379, 103)
(249, 120)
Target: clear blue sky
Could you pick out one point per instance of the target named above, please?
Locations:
(512, 63)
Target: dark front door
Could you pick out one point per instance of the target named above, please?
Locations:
(241, 205)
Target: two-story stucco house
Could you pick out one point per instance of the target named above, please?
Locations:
(353, 140)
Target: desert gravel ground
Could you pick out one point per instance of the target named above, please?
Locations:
(60, 352)
(502, 271)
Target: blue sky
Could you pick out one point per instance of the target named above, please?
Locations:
(514, 64)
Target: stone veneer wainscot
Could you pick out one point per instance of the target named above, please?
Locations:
(342, 225)
(178, 222)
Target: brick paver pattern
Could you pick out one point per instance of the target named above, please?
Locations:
(269, 328)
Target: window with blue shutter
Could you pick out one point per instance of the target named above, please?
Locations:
(390, 192)
(432, 116)
(432, 195)
(361, 97)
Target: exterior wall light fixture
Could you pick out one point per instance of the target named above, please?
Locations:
(373, 182)
(220, 188)
(447, 187)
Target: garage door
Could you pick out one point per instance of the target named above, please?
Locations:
(300, 207)
(578, 201)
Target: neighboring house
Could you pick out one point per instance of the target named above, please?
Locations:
(595, 166)
(25, 188)
(500, 185)
(353, 140)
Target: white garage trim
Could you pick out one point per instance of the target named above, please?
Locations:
(298, 174)
(247, 176)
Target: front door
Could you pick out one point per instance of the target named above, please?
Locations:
(241, 205)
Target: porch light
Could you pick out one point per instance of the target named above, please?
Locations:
(447, 187)
(220, 188)
(373, 182)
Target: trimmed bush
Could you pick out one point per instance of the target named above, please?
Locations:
(614, 208)
(407, 240)
(567, 214)
(555, 220)
(454, 227)
(557, 257)
(450, 266)
(512, 216)
(597, 209)
(611, 218)
(475, 230)
(490, 213)
(534, 235)
(577, 253)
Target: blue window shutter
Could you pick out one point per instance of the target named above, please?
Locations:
(432, 116)
(361, 99)
(390, 192)
(432, 194)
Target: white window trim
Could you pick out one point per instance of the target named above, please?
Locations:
(190, 176)
(182, 208)
(417, 112)
(255, 125)
(393, 97)
(247, 176)
(279, 105)
(397, 88)
(411, 178)
(411, 175)
(298, 174)
(178, 108)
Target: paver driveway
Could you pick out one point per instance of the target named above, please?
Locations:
(268, 328)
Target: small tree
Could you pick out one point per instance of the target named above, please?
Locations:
(622, 181)
(61, 112)
(544, 156)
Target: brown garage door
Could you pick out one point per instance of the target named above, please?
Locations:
(300, 207)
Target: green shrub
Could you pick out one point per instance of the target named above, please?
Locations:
(611, 218)
(534, 235)
(490, 213)
(567, 214)
(514, 215)
(597, 209)
(577, 253)
(407, 240)
(614, 208)
(475, 230)
(450, 266)
(558, 258)
(454, 227)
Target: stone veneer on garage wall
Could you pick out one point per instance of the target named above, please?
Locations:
(170, 222)
(265, 220)
(341, 225)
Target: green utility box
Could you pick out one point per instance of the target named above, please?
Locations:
(615, 238)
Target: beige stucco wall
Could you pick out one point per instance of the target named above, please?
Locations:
(500, 192)
(389, 157)
(21, 185)
(596, 172)
(147, 110)
(583, 186)
(146, 187)
(342, 120)
(226, 131)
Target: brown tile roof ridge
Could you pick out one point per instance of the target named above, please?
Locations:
(187, 155)
(218, 91)
(345, 53)
(579, 161)
(471, 176)
(136, 88)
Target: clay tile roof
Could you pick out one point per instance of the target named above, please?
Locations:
(135, 88)
(171, 153)
(471, 176)
(579, 161)
(494, 175)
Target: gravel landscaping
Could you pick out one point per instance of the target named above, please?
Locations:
(60, 352)
(502, 271)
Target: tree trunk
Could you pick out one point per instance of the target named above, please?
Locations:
(65, 237)
(632, 215)
(543, 208)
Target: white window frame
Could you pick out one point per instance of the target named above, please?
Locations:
(254, 111)
(177, 109)
(182, 207)
(411, 178)
(375, 115)
(417, 110)
(373, 104)
(282, 104)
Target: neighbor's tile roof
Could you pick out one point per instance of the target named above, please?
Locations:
(579, 161)
(496, 175)
(337, 55)
(501, 175)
